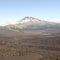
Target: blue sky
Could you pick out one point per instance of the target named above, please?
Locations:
(14, 10)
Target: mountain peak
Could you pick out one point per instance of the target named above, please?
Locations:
(31, 23)
(29, 19)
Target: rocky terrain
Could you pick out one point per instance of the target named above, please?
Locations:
(30, 39)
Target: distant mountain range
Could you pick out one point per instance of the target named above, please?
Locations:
(31, 24)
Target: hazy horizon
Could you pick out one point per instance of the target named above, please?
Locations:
(14, 10)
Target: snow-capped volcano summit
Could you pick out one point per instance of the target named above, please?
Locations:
(29, 19)
(33, 24)
(30, 22)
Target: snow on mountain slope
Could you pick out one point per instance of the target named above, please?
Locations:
(30, 20)
(30, 23)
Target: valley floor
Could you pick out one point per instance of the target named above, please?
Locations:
(30, 47)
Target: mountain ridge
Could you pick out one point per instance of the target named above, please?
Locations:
(31, 24)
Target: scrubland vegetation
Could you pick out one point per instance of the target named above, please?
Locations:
(30, 47)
